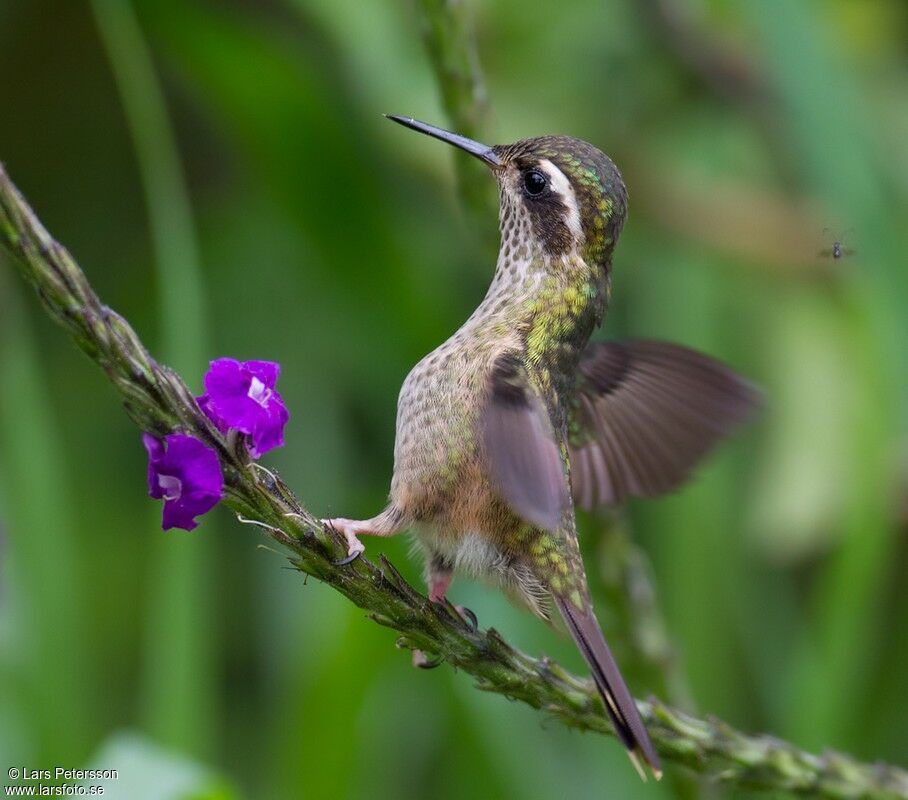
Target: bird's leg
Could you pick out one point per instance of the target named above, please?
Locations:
(438, 586)
(441, 573)
(439, 577)
(389, 522)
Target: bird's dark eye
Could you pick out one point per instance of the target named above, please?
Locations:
(534, 182)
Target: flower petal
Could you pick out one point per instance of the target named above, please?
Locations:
(266, 371)
(224, 376)
(194, 467)
(227, 391)
(194, 463)
(178, 514)
(268, 432)
(182, 513)
(204, 402)
(241, 396)
(155, 449)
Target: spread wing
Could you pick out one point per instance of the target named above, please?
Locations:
(645, 414)
(523, 456)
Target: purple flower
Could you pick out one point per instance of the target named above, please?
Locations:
(186, 475)
(241, 395)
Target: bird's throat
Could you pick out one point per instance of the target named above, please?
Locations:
(553, 305)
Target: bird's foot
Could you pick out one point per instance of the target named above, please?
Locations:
(350, 529)
(468, 616)
(437, 591)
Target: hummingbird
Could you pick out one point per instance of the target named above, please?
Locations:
(517, 418)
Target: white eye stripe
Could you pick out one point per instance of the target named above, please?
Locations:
(562, 186)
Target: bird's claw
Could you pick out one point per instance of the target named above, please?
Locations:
(348, 559)
(346, 528)
(465, 613)
(468, 617)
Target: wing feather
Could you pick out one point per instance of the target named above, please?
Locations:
(646, 413)
(522, 453)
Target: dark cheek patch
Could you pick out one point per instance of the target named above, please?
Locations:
(548, 215)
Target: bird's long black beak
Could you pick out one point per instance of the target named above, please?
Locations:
(482, 151)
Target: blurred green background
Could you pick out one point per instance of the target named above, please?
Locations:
(224, 175)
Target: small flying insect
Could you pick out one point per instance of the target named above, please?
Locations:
(838, 250)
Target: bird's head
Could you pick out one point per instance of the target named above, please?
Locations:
(559, 196)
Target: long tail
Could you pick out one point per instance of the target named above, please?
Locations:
(618, 701)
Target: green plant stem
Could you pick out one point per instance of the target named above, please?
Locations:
(157, 399)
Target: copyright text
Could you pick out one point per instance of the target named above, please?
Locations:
(29, 782)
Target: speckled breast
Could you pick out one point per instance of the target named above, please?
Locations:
(436, 450)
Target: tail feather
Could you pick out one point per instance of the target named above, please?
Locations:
(618, 702)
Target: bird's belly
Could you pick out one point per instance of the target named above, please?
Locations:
(435, 451)
(487, 558)
(437, 471)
